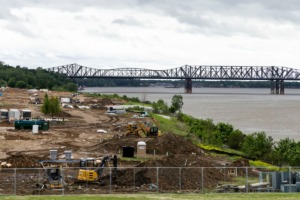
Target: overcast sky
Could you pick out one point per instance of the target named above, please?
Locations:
(150, 34)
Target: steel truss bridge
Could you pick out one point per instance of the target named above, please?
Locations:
(277, 75)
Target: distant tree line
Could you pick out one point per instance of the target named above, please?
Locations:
(22, 77)
(98, 82)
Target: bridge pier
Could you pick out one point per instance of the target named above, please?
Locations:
(272, 86)
(188, 86)
(279, 85)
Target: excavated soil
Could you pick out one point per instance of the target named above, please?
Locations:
(174, 163)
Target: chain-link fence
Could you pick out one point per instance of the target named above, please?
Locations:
(65, 181)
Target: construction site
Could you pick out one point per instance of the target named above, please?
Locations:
(94, 147)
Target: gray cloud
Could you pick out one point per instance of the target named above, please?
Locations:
(129, 21)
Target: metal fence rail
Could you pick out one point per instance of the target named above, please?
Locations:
(27, 181)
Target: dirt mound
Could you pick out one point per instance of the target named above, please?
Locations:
(166, 144)
(240, 163)
(172, 171)
(23, 161)
(105, 102)
(172, 144)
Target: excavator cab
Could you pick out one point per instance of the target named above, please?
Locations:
(89, 172)
(86, 171)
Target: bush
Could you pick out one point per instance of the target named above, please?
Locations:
(258, 146)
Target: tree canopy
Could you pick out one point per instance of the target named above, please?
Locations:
(22, 77)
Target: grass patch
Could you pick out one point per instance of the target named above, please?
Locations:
(222, 150)
(171, 125)
(134, 159)
(259, 163)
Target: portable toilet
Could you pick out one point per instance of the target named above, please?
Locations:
(141, 149)
(128, 152)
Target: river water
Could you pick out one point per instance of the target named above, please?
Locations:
(250, 110)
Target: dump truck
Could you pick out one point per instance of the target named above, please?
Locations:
(28, 124)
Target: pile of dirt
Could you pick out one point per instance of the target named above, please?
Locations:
(240, 163)
(176, 171)
(106, 102)
(23, 161)
(168, 143)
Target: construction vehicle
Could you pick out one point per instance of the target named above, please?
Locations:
(142, 130)
(89, 172)
(56, 172)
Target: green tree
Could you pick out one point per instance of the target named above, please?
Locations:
(224, 131)
(12, 82)
(236, 139)
(54, 106)
(160, 107)
(287, 152)
(177, 103)
(258, 146)
(51, 106)
(72, 87)
(46, 105)
(21, 84)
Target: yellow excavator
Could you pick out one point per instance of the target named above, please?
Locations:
(55, 176)
(92, 174)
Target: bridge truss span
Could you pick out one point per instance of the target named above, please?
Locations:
(187, 72)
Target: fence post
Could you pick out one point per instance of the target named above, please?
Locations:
(109, 179)
(157, 176)
(133, 178)
(290, 178)
(202, 179)
(15, 181)
(180, 179)
(246, 179)
(63, 182)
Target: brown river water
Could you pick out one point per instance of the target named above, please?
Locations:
(250, 110)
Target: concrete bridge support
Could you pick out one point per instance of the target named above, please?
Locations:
(279, 85)
(188, 86)
(272, 87)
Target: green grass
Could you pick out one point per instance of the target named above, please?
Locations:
(259, 163)
(221, 150)
(237, 196)
(135, 159)
(171, 125)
